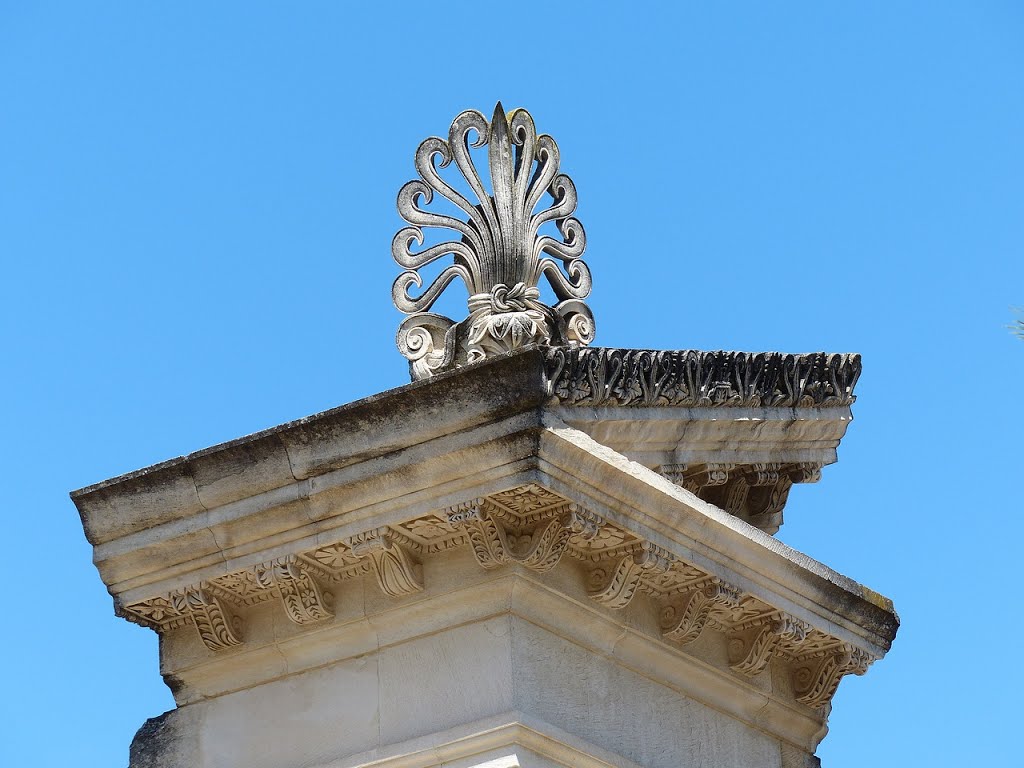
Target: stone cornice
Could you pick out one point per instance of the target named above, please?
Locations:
(691, 592)
(541, 557)
(668, 426)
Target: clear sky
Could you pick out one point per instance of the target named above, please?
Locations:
(196, 208)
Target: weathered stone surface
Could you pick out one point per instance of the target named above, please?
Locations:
(475, 550)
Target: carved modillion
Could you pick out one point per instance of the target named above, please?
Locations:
(815, 682)
(683, 621)
(618, 588)
(303, 600)
(216, 627)
(540, 550)
(398, 573)
(751, 650)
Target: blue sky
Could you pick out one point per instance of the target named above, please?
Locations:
(196, 208)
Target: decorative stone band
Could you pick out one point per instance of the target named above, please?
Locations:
(534, 528)
(690, 378)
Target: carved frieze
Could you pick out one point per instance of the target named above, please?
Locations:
(691, 378)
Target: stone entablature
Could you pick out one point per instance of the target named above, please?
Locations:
(396, 491)
(532, 527)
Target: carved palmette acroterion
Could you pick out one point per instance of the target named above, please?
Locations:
(498, 250)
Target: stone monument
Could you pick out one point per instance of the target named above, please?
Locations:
(538, 553)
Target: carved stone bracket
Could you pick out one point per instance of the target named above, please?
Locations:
(617, 588)
(197, 606)
(683, 621)
(494, 544)
(216, 627)
(303, 600)
(815, 683)
(697, 477)
(752, 649)
(398, 573)
(756, 493)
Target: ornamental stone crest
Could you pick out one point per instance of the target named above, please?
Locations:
(497, 247)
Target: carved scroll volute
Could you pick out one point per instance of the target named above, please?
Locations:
(539, 550)
(216, 627)
(398, 573)
(816, 681)
(682, 621)
(752, 649)
(304, 602)
(617, 588)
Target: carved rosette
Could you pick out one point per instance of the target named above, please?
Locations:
(498, 249)
(536, 529)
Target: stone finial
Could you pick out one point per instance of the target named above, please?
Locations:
(498, 250)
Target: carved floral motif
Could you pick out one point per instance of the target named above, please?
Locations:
(498, 250)
(398, 573)
(691, 378)
(303, 600)
(816, 684)
(682, 622)
(494, 543)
